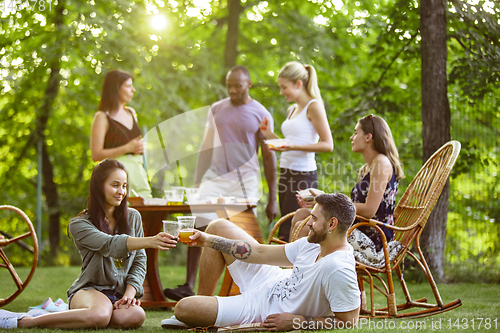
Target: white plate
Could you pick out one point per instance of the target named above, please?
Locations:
(277, 142)
(307, 194)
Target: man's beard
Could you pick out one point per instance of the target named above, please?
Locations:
(239, 100)
(317, 236)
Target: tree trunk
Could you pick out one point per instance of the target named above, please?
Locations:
(435, 119)
(43, 115)
(231, 51)
(52, 200)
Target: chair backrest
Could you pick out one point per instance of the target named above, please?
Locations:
(423, 192)
(272, 239)
(272, 233)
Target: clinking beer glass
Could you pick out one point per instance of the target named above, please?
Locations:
(186, 228)
(172, 228)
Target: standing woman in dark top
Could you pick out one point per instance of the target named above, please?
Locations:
(116, 133)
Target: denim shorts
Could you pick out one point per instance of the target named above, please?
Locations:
(111, 294)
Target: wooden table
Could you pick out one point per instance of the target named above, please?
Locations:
(152, 216)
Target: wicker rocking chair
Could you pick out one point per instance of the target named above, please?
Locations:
(411, 214)
(272, 235)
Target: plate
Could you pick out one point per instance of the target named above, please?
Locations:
(306, 194)
(277, 142)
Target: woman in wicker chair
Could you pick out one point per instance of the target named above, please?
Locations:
(374, 194)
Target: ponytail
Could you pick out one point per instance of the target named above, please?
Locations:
(295, 71)
(312, 84)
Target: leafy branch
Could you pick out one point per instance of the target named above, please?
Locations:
(396, 56)
(457, 38)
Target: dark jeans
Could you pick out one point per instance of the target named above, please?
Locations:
(111, 294)
(290, 182)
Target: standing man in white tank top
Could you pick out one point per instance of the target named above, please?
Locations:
(308, 132)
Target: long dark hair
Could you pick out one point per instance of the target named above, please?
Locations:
(383, 141)
(96, 198)
(112, 82)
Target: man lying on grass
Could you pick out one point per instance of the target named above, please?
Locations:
(320, 291)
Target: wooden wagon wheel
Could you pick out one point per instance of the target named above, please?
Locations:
(4, 261)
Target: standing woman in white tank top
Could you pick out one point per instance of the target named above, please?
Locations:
(308, 132)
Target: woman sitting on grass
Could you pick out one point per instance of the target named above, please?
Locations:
(110, 240)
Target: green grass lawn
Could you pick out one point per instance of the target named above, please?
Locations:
(479, 301)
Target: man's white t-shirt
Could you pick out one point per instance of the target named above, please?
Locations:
(316, 288)
(311, 288)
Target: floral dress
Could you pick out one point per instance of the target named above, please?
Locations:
(385, 210)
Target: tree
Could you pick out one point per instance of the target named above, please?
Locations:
(42, 118)
(233, 19)
(476, 71)
(435, 118)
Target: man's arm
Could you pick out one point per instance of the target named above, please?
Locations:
(288, 321)
(205, 156)
(242, 250)
(269, 160)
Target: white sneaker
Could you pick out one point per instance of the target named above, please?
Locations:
(9, 319)
(173, 324)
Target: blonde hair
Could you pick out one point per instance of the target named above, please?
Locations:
(295, 71)
(383, 141)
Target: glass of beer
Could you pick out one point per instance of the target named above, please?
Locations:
(187, 228)
(172, 228)
(175, 196)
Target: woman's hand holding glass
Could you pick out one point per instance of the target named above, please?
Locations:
(163, 241)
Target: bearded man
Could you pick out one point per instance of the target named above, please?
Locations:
(320, 291)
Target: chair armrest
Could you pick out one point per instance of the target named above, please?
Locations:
(369, 223)
(373, 222)
(382, 235)
(276, 226)
(299, 228)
